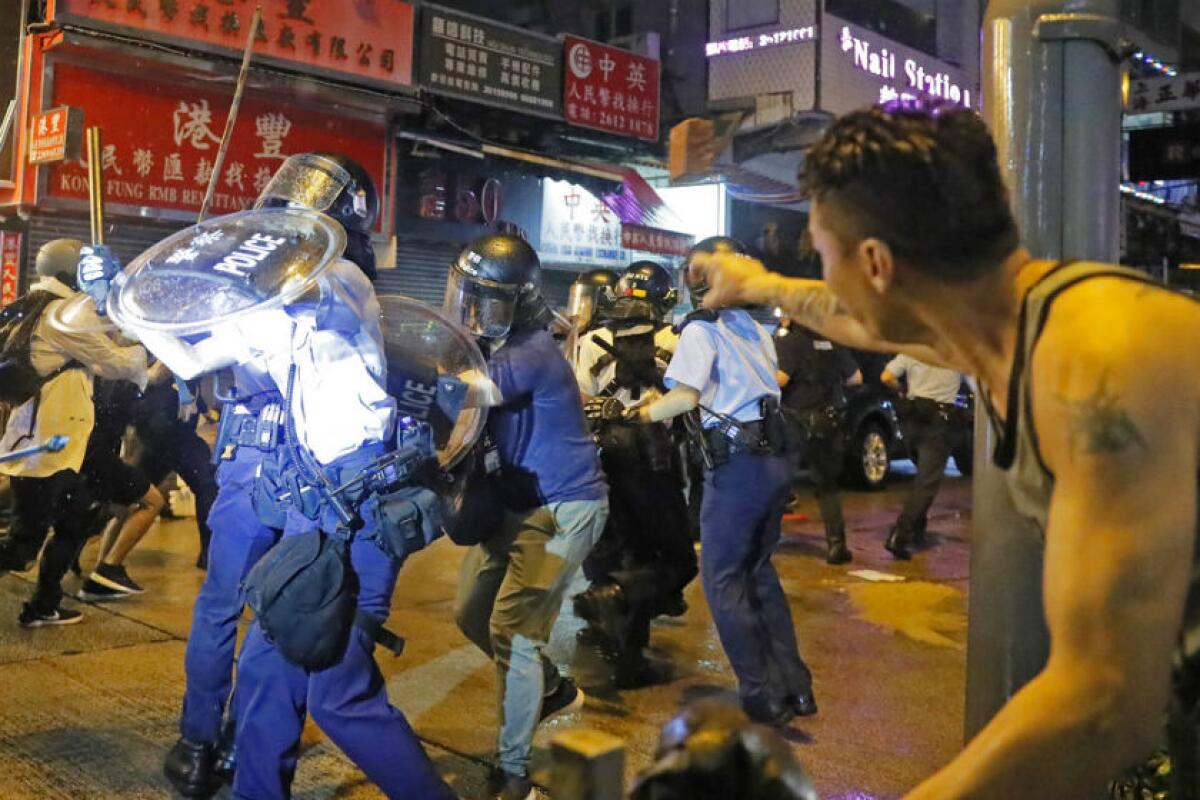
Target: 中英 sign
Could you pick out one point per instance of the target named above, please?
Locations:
(578, 229)
(610, 89)
(54, 135)
(371, 41)
(488, 62)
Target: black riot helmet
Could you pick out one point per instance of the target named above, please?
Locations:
(591, 297)
(646, 291)
(335, 185)
(495, 285)
(713, 244)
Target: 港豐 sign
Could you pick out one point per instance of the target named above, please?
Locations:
(1168, 93)
(371, 41)
(54, 135)
(610, 89)
(163, 156)
(861, 68)
(654, 240)
(488, 62)
(578, 229)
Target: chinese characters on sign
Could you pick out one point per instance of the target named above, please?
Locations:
(610, 89)
(51, 133)
(10, 265)
(578, 229)
(163, 157)
(489, 62)
(371, 40)
(744, 44)
(653, 240)
(1149, 95)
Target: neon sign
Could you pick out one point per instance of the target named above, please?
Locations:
(881, 62)
(744, 44)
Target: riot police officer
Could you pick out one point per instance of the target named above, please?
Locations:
(305, 345)
(814, 374)
(725, 365)
(554, 497)
(645, 558)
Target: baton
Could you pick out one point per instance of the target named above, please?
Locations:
(52, 445)
(219, 160)
(95, 185)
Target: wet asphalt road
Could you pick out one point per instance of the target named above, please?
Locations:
(88, 711)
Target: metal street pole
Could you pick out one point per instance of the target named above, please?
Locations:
(1052, 97)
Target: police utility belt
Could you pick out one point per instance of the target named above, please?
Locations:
(767, 436)
(304, 590)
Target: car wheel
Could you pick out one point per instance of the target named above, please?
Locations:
(869, 461)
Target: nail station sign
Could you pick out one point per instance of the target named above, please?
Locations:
(860, 67)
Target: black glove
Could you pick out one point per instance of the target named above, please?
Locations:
(609, 409)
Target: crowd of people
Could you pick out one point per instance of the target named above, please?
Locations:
(583, 464)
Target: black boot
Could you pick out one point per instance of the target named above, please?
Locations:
(225, 753)
(189, 768)
(897, 544)
(603, 607)
(837, 553)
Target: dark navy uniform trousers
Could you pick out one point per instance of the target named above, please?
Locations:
(740, 520)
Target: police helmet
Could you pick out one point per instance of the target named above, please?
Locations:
(646, 291)
(59, 259)
(495, 285)
(697, 288)
(591, 297)
(335, 185)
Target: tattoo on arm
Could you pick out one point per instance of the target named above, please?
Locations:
(1099, 425)
(811, 304)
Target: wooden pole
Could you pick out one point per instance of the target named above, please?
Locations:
(219, 161)
(95, 156)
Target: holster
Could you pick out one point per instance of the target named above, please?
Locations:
(407, 520)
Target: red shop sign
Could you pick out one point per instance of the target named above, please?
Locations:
(654, 240)
(371, 40)
(10, 265)
(51, 133)
(610, 89)
(163, 155)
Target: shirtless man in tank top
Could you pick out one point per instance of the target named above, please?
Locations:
(1091, 381)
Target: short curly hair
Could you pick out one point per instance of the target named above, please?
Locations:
(923, 178)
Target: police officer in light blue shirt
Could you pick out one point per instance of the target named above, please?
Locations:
(725, 365)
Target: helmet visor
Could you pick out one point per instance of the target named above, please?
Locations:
(307, 180)
(581, 304)
(484, 308)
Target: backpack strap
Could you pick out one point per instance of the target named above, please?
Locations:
(699, 315)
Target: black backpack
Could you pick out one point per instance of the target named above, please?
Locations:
(304, 593)
(19, 381)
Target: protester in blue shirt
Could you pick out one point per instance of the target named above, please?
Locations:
(725, 365)
(555, 497)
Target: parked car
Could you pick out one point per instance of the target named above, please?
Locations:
(874, 432)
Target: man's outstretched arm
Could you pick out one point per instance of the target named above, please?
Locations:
(740, 280)
(1119, 549)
